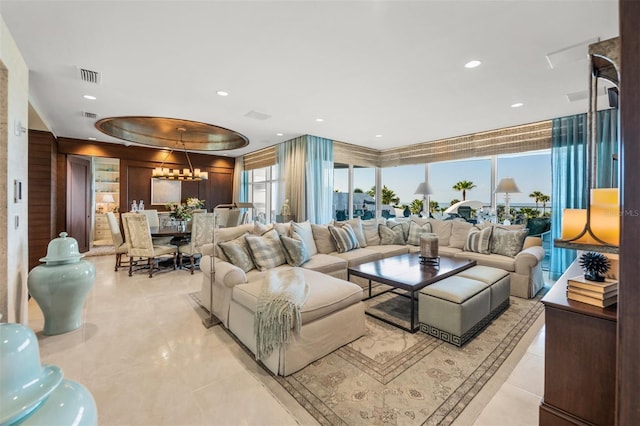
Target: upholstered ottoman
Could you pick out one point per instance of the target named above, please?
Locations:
(332, 316)
(454, 308)
(499, 282)
(458, 307)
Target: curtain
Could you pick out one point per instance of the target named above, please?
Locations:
(290, 159)
(569, 173)
(319, 183)
(240, 182)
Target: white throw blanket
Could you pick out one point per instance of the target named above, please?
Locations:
(278, 310)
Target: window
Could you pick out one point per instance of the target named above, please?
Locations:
(443, 176)
(263, 191)
(531, 172)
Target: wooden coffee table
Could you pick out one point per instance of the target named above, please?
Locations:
(406, 273)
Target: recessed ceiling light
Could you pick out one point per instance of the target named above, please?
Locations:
(92, 139)
(517, 105)
(279, 134)
(319, 120)
(92, 98)
(378, 136)
(222, 93)
(472, 64)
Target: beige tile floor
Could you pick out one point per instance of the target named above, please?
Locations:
(146, 358)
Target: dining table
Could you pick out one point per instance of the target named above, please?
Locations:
(181, 234)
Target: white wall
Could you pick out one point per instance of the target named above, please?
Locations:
(14, 96)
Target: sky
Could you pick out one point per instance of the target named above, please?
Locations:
(531, 172)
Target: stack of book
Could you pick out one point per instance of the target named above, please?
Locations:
(595, 293)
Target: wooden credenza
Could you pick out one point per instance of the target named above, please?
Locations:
(580, 361)
(101, 229)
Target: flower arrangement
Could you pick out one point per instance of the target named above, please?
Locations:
(195, 203)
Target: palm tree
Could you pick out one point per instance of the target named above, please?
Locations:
(544, 199)
(464, 186)
(416, 206)
(536, 197)
(388, 195)
(433, 206)
(358, 191)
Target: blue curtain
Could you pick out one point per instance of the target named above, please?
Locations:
(569, 174)
(319, 182)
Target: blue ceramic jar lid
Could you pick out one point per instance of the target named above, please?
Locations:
(63, 249)
(24, 383)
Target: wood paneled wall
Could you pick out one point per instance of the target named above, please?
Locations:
(628, 376)
(137, 164)
(42, 192)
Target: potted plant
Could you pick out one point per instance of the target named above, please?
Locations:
(595, 265)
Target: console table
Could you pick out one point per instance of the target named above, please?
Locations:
(580, 361)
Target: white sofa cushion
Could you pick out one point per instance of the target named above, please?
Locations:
(495, 260)
(326, 295)
(390, 250)
(325, 263)
(358, 256)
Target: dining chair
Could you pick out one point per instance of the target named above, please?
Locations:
(154, 220)
(141, 246)
(233, 218)
(201, 234)
(121, 247)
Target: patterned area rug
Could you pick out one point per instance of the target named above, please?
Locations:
(392, 377)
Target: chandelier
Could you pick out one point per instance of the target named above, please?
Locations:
(189, 174)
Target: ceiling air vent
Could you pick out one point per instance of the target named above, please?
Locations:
(584, 94)
(257, 115)
(91, 115)
(89, 76)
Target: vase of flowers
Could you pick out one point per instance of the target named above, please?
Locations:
(195, 203)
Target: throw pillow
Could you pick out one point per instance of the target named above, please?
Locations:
(415, 230)
(266, 250)
(370, 231)
(443, 229)
(459, 231)
(261, 228)
(391, 235)
(237, 252)
(404, 225)
(478, 240)
(303, 230)
(356, 225)
(295, 250)
(507, 242)
(322, 237)
(344, 238)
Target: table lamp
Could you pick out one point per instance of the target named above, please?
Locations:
(507, 186)
(108, 198)
(425, 190)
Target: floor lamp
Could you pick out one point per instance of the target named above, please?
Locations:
(507, 186)
(210, 321)
(425, 190)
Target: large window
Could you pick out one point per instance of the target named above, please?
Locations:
(363, 181)
(531, 172)
(445, 175)
(401, 183)
(262, 186)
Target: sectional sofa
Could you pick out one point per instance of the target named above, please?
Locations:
(244, 254)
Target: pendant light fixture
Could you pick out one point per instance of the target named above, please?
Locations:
(189, 174)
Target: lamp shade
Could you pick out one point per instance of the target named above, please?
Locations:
(507, 185)
(108, 198)
(424, 189)
(605, 215)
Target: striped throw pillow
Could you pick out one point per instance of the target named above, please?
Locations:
(478, 240)
(344, 237)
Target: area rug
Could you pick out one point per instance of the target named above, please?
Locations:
(392, 377)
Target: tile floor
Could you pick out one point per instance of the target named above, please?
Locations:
(146, 358)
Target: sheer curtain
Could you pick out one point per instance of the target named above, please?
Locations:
(306, 177)
(569, 174)
(319, 179)
(240, 183)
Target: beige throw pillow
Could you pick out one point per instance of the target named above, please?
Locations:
(370, 231)
(459, 232)
(478, 240)
(322, 238)
(356, 225)
(303, 229)
(442, 228)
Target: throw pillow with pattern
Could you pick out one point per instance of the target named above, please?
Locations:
(404, 225)
(507, 242)
(478, 240)
(415, 230)
(237, 252)
(295, 250)
(266, 250)
(391, 234)
(344, 238)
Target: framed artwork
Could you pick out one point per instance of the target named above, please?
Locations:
(165, 191)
